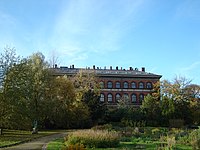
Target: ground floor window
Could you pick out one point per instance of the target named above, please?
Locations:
(102, 98)
(134, 98)
(110, 98)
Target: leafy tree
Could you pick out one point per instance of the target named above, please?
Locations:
(7, 60)
(176, 95)
(24, 88)
(60, 97)
(96, 107)
(87, 91)
(150, 108)
(193, 91)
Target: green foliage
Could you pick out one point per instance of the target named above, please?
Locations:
(176, 123)
(151, 109)
(194, 137)
(102, 127)
(94, 139)
(57, 144)
(75, 147)
(95, 106)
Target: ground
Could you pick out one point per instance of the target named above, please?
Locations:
(36, 144)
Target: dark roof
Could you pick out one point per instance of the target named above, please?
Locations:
(106, 72)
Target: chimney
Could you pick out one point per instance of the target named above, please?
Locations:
(131, 68)
(117, 68)
(56, 66)
(94, 67)
(110, 67)
(72, 66)
(143, 69)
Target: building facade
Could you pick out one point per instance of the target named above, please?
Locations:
(128, 85)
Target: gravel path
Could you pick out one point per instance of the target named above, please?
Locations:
(37, 144)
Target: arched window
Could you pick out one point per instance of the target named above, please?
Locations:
(126, 98)
(110, 98)
(126, 85)
(117, 97)
(109, 84)
(134, 98)
(118, 85)
(101, 85)
(141, 98)
(141, 85)
(149, 85)
(102, 98)
(133, 85)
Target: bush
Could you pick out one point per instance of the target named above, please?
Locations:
(75, 147)
(194, 137)
(103, 127)
(176, 123)
(94, 139)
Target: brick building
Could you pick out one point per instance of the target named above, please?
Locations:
(131, 85)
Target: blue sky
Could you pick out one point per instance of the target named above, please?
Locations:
(161, 35)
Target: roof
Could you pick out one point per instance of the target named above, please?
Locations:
(107, 72)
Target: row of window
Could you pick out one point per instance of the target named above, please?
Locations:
(133, 85)
(125, 97)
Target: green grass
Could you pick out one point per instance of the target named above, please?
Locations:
(56, 144)
(149, 145)
(13, 137)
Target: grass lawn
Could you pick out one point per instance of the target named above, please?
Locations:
(56, 144)
(149, 145)
(13, 137)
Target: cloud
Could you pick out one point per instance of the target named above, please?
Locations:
(7, 20)
(191, 67)
(192, 71)
(93, 26)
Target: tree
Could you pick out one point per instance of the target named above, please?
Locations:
(7, 60)
(151, 109)
(96, 107)
(37, 84)
(176, 95)
(60, 97)
(24, 88)
(88, 91)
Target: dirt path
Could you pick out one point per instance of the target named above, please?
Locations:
(37, 144)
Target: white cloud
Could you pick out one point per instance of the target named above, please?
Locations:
(93, 26)
(7, 20)
(191, 67)
(191, 72)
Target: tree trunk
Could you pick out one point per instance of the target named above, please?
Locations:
(1, 131)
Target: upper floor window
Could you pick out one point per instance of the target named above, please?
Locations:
(102, 98)
(118, 85)
(141, 85)
(101, 85)
(134, 98)
(109, 84)
(133, 85)
(125, 85)
(110, 98)
(149, 85)
(141, 98)
(117, 97)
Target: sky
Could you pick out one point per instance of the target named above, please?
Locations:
(161, 35)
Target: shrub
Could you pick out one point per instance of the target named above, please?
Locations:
(94, 139)
(103, 127)
(176, 123)
(74, 147)
(194, 137)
